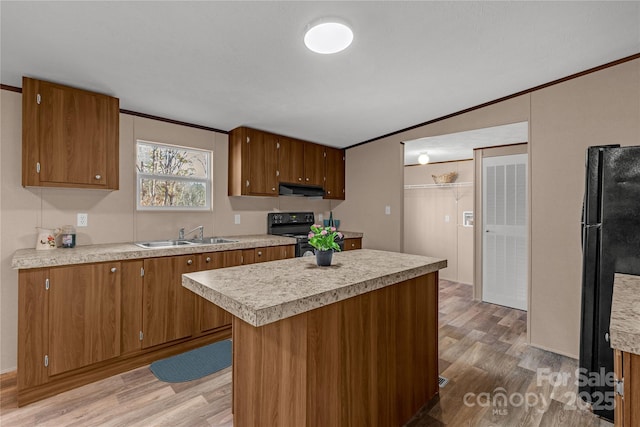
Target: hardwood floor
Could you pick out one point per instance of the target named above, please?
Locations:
(483, 354)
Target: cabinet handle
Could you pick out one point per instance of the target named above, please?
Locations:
(189, 261)
(353, 245)
(328, 191)
(300, 179)
(259, 253)
(113, 269)
(247, 183)
(307, 179)
(273, 188)
(98, 176)
(208, 259)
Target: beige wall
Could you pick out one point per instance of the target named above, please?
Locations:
(426, 231)
(598, 108)
(112, 215)
(374, 180)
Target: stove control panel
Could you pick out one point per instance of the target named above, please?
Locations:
(290, 218)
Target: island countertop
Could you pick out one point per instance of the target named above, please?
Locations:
(625, 314)
(264, 293)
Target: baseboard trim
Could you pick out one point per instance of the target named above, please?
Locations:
(552, 350)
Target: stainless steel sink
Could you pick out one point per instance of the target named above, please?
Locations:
(163, 243)
(158, 244)
(211, 241)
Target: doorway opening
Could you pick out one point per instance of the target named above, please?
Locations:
(445, 219)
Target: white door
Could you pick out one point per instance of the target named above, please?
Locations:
(504, 221)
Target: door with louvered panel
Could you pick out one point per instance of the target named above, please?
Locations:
(504, 237)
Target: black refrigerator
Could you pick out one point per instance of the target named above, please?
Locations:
(610, 244)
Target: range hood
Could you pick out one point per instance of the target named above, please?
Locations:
(301, 190)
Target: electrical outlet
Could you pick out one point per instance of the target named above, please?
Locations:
(83, 220)
(236, 219)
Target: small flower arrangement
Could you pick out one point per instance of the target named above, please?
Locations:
(324, 238)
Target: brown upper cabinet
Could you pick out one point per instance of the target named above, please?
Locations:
(300, 162)
(313, 164)
(290, 160)
(253, 163)
(70, 137)
(334, 186)
(259, 161)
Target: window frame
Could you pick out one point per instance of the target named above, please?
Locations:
(208, 181)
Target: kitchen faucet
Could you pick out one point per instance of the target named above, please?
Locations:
(199, 228)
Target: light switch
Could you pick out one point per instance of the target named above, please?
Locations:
(446, 218)
(236, 219)
(387, 210)
(320, 218)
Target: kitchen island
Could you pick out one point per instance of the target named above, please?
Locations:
(350, 344)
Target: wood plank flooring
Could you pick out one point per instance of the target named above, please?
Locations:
(493, 381)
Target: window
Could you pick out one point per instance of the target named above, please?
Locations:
(172, 178)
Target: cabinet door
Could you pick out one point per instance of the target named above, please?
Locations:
(263, 163)
(33, 327)
(167, 312)
(313, 164)
(353, 243)
(291, 160)
(284, 252)
(273, 253)
(334, 186)
(627, 368)
(84, 315)
(211, 316)
(131, 285)
(232, 258)
(74, 137)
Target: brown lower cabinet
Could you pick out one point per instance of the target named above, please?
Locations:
(353, 243)
(86, 297)
(167, 307)
(627, 370)
(210, 316)
(81, 323)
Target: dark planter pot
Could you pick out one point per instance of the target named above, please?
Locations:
(323, 258)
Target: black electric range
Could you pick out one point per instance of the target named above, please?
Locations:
(296, 225)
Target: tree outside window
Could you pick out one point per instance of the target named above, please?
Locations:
(173, 177)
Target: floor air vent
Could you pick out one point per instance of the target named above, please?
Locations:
(442, 381)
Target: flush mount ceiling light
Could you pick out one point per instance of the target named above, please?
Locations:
(328, 37)
(423, 158)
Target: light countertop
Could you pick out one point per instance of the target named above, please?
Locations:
(32, 258)
(267, 292)
(624, 329)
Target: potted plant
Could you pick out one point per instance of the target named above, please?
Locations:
(324, 240)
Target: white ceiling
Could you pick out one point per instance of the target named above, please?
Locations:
(227, 64)
(460, 145)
